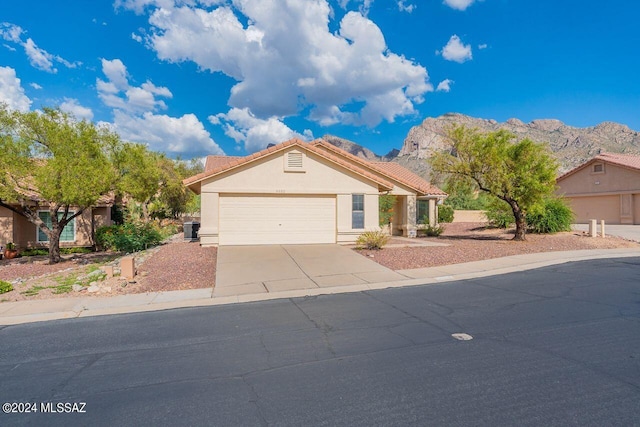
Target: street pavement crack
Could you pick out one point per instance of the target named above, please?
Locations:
(419, 319)
(324, 329)
(255, 401)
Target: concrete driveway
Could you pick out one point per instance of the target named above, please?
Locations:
(629, 232)
(245, 270)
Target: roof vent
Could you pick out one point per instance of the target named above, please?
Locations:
(294, 162)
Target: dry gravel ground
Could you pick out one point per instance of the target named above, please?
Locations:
(474, 242)
(177, 265)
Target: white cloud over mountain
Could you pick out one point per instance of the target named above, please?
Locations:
(286, 59)
(11, 91)
(254, 133)
(444, 86)
(135, 120)
(455, 50)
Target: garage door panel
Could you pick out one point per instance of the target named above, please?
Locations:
(249, 220)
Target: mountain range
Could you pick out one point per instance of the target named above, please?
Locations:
(571, 145)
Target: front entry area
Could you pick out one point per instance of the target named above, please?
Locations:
(277, 219)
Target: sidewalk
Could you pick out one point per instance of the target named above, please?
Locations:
(12, 313)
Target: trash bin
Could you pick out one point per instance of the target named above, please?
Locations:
(191, 231)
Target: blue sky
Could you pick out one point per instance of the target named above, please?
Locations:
(196, 77)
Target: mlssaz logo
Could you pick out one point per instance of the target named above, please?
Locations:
(63, 407)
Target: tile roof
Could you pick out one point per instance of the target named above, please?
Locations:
(389, 169)
(631, 161)
(214, 162)
(405, 176)
(219, 166)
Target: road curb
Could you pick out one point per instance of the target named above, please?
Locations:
(179, 299)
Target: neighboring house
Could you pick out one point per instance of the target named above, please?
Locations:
(299, 193)
(79, 232)
(606, 187)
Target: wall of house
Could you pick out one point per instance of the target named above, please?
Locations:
(6, 226)
(612, 195)
(268, 176)
(614, 179)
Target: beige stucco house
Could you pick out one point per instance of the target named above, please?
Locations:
(78, 233)
(299, 193)
(606, 187)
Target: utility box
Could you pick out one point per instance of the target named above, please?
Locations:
(191, 231)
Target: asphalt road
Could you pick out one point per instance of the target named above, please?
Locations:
(556, 346)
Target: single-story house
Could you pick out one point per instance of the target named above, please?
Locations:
(299, 193)
(78, 233)
(607, 187)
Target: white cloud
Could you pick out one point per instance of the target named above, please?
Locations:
(38, 57)
(252, 133)
(73, 107)
(35, 86)
(116, 92)
(404, 7)
(137, 37)
(444, 86)
(482, 46)
(459, 4)
(10, 32)
(265, 45)
(456, 51)
(11, 91)
(172, 135)
(135, 119)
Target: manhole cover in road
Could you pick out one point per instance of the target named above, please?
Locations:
(462, 337)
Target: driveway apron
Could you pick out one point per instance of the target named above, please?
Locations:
(245, 270)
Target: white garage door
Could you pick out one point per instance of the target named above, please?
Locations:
(266, 220)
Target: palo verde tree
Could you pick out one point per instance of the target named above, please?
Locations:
(50, 161)
(520, 173)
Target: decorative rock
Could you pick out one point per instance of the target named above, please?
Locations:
(93, 288)
(78, 288)
(106, 289)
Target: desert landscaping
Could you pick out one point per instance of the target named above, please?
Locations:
(179, 265)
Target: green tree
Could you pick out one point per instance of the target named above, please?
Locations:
(50, 160)
(386, 203)
(140, 174)
(520, 173)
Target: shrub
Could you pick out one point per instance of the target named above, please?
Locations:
(445, 213)
(499, 214)
(433, 231)
(372, 240)
(128, 237)
(5, 287)
(79, 250)
(35, 252)
(552, 216)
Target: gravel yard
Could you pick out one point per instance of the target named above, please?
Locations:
(473, 242)
(177, 265)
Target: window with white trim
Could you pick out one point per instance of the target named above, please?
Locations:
(357, 211)
(68, 232)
